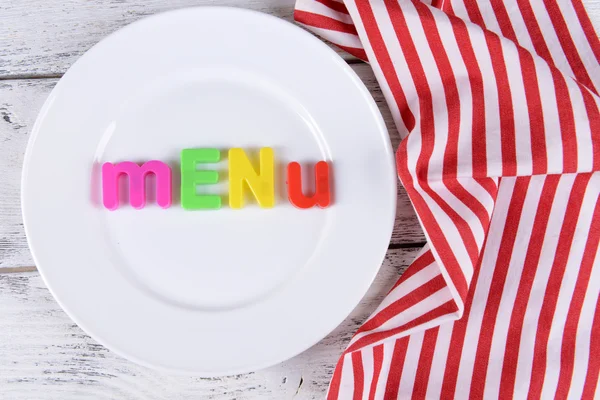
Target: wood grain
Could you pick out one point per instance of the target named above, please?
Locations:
(43, 38)
(44, 355)
(20, 102)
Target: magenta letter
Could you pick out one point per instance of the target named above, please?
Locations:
(137, 187)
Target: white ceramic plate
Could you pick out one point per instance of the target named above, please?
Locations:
(208, 292)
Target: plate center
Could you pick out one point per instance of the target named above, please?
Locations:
(217, 259)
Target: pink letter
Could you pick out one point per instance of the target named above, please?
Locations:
(137, 186)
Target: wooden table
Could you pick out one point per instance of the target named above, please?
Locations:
(43, 354)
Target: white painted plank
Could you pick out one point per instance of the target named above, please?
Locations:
(42, 37)
(593, 10)
(20, 101)
(44, 355)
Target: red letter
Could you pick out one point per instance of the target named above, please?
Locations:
(321, 197)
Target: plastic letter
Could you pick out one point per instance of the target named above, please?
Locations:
(261, 184)
(321, 197)
(137, 188)
(192, 177)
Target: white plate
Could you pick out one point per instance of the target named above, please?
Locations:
(208, 292)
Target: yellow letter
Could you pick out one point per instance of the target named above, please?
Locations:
(261, 184)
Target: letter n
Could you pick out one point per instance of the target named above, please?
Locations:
(261, 183)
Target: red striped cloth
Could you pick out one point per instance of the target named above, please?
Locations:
(498, 105)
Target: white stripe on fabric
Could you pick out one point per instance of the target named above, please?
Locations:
(321, 9)
(339, 38)
(438, 364)
(566, 294)
(540, 281)
(411, 362)
(582, 345)
(467, 362)
(583, 48)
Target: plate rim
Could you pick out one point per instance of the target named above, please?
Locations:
(331, 326)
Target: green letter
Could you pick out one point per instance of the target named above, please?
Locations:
(191, 177)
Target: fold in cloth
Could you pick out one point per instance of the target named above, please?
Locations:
(497, 103)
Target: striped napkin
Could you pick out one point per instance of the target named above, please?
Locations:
(497, 103)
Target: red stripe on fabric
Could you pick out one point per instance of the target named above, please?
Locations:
(488, 323)
(437, 3)
(450, 163)
(503, 20)
(323, 22)
(359, 375)
(593, 115)
(505, 99)
(568, 46)
(569, 134)
(539, 153)
(456, 188)
(446, 6)
(334, 386)
(334, 5)
(567, 122)
(530, 265)
(591, 379)
(478, 129)
(457, 338)
(489, 185)
(435, 233)
(427, 124)
(377, 363)
(535, 33)
(474, 13)
(554, 282)
(507, 115)
(442, 247)
(418, 265)
(385, 62)
(424, 366)
(448, 307)
(398, 357)
(588, 29)
(567, 356)
(356, 52)
(454, 355)
(416, 296)
(563, 99)
(532, 94)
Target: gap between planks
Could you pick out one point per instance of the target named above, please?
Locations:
(17, 77)
(16, 270)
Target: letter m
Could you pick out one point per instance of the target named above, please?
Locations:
(137, 183)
